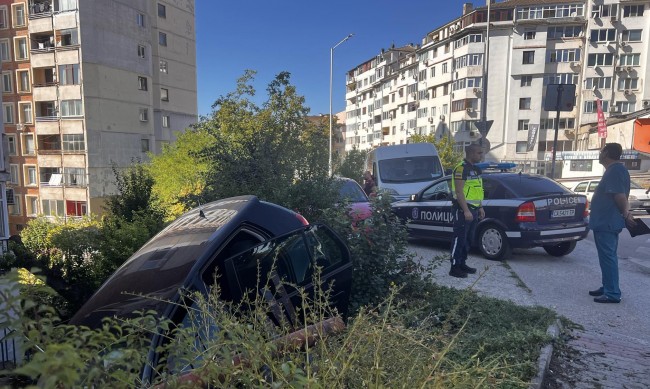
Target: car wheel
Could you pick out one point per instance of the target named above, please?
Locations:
(493, 243)
(560, 249)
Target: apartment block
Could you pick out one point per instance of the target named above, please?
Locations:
(95, 84)
(463, 72)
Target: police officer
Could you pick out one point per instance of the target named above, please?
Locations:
(467, 189)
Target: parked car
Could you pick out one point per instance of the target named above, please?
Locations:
(351, 192)
(238, 237)
(521, 210)
(639, 198)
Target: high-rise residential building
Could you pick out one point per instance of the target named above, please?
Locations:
(438, 87)
(90, 85)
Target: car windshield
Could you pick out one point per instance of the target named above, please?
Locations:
(352, 192)
(531, 186)
(410, 169)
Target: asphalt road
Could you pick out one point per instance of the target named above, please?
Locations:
(531, 277)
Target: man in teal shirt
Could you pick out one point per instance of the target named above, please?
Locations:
(610, 212)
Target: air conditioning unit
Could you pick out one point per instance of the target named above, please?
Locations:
(619, 69)
(646, 103)
(430, 120)
(629, 68)
(627, 92)
(442, 118)
(470, 109)
(473, 133)
(477, 90)
(403, 77)
(427, 96)
(623, 43)
(575, 64)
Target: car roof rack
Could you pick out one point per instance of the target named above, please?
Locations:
(500, 166)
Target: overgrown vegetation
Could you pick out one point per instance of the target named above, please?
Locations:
(449, 157)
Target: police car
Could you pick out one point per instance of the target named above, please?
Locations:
(521, 211)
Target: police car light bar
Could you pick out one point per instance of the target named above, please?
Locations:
(502, 166)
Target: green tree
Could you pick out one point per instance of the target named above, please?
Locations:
(353, 165)
(179, 172)
(449, 157)
(134, 186)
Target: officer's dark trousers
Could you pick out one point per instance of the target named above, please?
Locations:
(463, 230)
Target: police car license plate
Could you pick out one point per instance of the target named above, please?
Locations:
(563, 213)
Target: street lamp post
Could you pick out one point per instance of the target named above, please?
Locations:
(331, 75)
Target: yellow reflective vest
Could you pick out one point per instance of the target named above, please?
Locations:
(473, 188)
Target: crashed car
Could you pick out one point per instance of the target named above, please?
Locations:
(350, 191)
(521, 211)
(238, 238)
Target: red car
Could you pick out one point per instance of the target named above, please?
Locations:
(359, 203)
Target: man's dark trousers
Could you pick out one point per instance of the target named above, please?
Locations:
(463, 229)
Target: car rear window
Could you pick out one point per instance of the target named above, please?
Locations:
(531, 186)
(352, 192)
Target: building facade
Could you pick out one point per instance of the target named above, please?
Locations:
(438, 86)
(96, 84)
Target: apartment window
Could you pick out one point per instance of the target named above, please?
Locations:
(74, 176)
(25, 112)
(164, 94)
(22, 81)
(625, 106)
(7, 84)
(631, 36)
(603, 35)
(66, 5)
(30, 175)
(603, 11)
(433, 71)
(13, 174)
(598, 82)
(628, 83)
(53, 208)
(139, 19)
(20, 46)
(630, 11)
(564, 123)
(444, 68)
(163, 66)
(69, 37)
(4, 22)
(75, 208)
(14, 207)
(560, 78)
(522, 125)
(162, 38)
(629, 60)
(526, 81)
(144, 145)
(165, 121)
(8, 113)
(4, 50)
(162, 11)
(591, 107)
(70, 108)
(73, 142)
(142, 83)
(28, 144)
(522, 147)
(31, 205)
(528, 57)
(529, 35)
(563, 32)
(144, 115)
(565, 55)
(524, 103)
(50, 176)
(18, 14)
(600, 59)
(141, 51)
(69, 74)
(11, 144)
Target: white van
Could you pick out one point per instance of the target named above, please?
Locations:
(402, 170)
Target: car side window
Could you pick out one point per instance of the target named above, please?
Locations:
(592, 186)
(493, 189)
(581, 187)
(439, 191)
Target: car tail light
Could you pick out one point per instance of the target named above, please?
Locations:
(586, 212)
(526, 212)
(302, 219)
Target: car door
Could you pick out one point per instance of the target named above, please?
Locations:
(431, 214)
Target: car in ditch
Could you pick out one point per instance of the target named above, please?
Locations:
(237, 238)
(521, 211)
(351, 193)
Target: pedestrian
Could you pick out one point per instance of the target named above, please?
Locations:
(467, 192)
(610, 212)
(369, 183)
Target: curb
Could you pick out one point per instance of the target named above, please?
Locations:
(545, 355)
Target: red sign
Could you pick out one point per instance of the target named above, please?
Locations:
(602, 123)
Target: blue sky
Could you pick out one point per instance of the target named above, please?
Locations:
(296, 36)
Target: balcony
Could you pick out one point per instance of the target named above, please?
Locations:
(40, 9)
